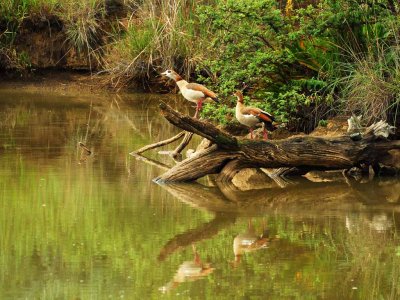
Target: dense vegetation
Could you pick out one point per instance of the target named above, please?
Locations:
(303, 60)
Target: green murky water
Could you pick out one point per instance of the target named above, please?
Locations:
(74, 226)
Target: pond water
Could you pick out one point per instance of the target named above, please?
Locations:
(79, 226)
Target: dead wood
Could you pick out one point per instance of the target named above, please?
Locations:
(302, 152)
(159, 144)
(176, 154)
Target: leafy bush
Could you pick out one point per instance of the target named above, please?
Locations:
(305, 63)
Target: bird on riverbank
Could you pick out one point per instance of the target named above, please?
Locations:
(192, 92)
(253, 116)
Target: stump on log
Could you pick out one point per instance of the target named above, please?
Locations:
(229, 154)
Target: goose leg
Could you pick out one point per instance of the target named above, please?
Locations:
(196, 258)
(265, 134)
(198, 108)
(200, 103)
(251, 133)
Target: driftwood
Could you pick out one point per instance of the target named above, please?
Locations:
(229, 154)
(176, 154)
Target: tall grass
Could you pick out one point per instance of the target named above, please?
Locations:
(158, 35)
(363, 66)
(369, 83)
(373, 87)
(83, 21)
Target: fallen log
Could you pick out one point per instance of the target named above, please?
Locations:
(302, 152)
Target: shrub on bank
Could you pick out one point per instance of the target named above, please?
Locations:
(307, 62)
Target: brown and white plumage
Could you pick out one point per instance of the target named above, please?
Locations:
(192, 92)
(253, 116)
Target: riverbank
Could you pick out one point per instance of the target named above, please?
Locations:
(304, 62)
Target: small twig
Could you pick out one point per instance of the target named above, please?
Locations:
(159, 144)
(182, 145)
(186, 140)
(85, 153)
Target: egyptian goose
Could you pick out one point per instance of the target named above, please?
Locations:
(192, 92)
(249, 242)
(189, 271)
(253, 116)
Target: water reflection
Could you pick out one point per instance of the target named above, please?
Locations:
(189, 271)
(345, 222)
(202, 232)
(303, 197)
(249, 241)
(102, 229)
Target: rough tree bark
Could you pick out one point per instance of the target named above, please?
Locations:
(302, 152)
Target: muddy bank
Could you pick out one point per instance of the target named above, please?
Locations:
(40, 43)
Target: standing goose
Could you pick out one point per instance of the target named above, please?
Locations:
(192, 92)
(253, 116)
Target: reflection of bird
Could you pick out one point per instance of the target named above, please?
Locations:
(249, 241)
(189, 271)
(193, 92)
(253, 116)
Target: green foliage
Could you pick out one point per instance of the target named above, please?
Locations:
(323, 123)
(262, 47)
(221, 114)
(301, 65)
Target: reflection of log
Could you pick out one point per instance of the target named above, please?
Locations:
(312, 199)
(150, 161)
(307, 152)
(205, 231)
